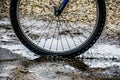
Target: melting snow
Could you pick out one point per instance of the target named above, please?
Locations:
(100, 50)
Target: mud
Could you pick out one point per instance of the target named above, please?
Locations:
(16, 67)
(101, 62)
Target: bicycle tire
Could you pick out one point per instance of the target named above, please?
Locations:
(71, 53)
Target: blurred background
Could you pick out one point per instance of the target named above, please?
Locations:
(112, 28)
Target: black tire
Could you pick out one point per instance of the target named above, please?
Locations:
(77, 51)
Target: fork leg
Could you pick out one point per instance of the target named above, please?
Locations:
(59, 10)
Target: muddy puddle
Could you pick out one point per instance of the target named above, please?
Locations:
(101, 62)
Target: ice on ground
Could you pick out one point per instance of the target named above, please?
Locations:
(22, 50)
(99, 50)
(5, 22)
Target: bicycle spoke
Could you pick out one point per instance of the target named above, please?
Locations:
(76, 25)
(67, 27)
(47, 35)
(45, 28)
(76, 30)
(61, 42)
(53, 38)
(56, 33)
(65, 36)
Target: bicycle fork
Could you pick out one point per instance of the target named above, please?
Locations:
(59, 9)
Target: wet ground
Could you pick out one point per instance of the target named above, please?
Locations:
(101, 62)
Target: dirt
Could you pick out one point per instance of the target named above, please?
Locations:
(101, 62)
(15, 67)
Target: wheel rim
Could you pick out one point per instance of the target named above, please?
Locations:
(67, 32)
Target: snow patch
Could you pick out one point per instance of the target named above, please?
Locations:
(22, 50)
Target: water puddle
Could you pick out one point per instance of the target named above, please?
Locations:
(100, 56)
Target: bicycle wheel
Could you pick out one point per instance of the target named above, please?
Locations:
(53, 27)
